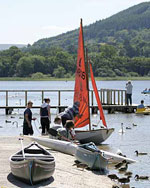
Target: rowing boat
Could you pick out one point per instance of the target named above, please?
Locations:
(32, 164)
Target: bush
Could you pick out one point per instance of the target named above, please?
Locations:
(39, 75)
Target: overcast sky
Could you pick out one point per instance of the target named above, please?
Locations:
(26, 21)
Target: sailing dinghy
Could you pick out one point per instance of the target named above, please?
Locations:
(32, 164)
(81, 94)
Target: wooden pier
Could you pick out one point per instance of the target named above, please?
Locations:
(111, 99)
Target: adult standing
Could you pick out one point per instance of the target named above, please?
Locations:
(45, 116)
(129, 88)
(27, 125)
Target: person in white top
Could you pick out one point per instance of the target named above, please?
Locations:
(129, 88)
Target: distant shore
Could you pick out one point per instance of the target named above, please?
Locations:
(70, 79)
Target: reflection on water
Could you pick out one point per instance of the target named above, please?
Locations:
(136, 138)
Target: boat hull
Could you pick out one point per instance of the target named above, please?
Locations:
(96, 136)
(32, 171)
(93, 159)
(36, 166)
(71, 148)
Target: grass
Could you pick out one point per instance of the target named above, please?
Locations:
(69, 79)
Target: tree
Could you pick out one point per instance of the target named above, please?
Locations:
(25, 66)
(59, 72)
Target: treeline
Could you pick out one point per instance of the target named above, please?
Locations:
(55, 62)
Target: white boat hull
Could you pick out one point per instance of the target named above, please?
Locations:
(58, 145)
(71, 148)
(96, 136)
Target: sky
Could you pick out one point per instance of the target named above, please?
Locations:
(27, 21)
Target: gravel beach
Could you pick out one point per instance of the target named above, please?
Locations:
(65, 176)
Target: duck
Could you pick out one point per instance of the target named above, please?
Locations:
(128, 127)
(115, 186)
(137, 177)
(12, 117)
(113, 176)
(124, 180)
(124, 168)
(118, 165)
(119, 152)
(140, 153)
(134, 124)
(7, 121)
(81, 165)
(128, 173)
(94, 125)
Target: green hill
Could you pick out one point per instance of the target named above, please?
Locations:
(125, 25)
(118, 46)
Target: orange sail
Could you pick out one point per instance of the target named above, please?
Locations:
(97, 97)
(81, 92)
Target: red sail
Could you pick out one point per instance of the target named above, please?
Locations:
(81, 91)
(97, 97)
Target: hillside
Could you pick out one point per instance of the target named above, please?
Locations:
(123, 25)
(7, 46)
(118, 46)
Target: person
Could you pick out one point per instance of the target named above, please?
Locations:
(70, 113)
(140, 106)
(67, 132)
(129, 88)
(45, 116)
(27, 125)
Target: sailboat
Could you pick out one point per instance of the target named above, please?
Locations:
(81, 94)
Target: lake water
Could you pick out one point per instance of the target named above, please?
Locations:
(136, 138)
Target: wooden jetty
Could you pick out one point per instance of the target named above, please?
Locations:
(112, 99)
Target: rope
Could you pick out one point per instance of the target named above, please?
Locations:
(36, 127)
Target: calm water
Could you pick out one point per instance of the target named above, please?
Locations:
(136, 138)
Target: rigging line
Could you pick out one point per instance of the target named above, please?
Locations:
(36, 127)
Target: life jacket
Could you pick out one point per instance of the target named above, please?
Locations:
(44, 110)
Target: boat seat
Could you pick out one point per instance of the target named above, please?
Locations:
(34, 155)
(31, 157)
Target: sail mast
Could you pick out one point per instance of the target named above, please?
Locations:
(87, 82)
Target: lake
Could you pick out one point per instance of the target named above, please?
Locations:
(136, 138)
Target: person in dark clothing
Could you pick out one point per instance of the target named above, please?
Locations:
(45, 116)
(70, 113)
(27, 126)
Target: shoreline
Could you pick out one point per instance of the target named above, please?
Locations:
(72, 79)
(65, 176)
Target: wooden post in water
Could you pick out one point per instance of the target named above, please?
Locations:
(121, 97)
(26, 98)
(60, 109)
(7, 109)
(42, 96)
(118, 98)
(114, 97)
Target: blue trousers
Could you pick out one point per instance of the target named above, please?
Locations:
(129, 99)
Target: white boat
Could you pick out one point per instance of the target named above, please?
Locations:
(81, 94)
(71, 148)
(97, 136)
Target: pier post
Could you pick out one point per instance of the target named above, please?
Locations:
(26, 96)
(42, 96)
